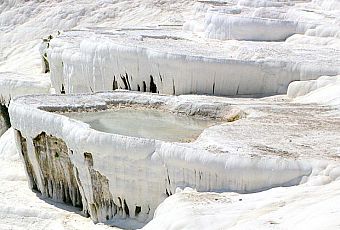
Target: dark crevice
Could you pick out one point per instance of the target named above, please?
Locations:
(144, 86)
(127, 80)
(124, 82)
(138, 209)
(114, 83)
(213, 88)
(160, 77)
(5, 115)
(46, 64)
(153, 87)
(62, 89)
(238, 87)
(88, 159)
(126, 208)
(138, 87)
(173, 87)
(120, 207)
(167, 173)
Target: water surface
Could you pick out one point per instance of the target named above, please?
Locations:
(147, 123)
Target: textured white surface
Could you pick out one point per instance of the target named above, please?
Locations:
(23, 209)
(227, 157)
(13, 84)
(286, 41)
(300, 207)
(24, 23)
(263, 20)
(323, 91)
(91, 61)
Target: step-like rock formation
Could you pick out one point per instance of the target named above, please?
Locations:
(14, 84)
(224, 48)
(171, 62)
(114, 176)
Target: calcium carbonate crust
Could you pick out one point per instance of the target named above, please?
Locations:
(174, 62)
(136, 174)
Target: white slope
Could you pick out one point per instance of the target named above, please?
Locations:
(327, 95)
(24, 23)
(300, 207)
(285, 41)
(252, 154)
(273, 20)
(20, 208)
(14, 84)
(323, 91)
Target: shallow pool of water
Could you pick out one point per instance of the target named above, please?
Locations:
(147, 123)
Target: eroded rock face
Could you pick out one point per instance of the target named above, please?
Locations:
(102, 197)
(4, 119)
(60, 179)
(116, 176)
(57, 170)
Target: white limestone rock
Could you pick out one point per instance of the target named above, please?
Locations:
(248, 155)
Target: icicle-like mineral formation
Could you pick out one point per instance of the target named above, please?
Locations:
(113, 176)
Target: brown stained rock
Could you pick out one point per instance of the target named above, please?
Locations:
(5, 122)
(56, 167)
(60, 179)
(103, 207)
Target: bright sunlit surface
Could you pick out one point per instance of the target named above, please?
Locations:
(146, 123)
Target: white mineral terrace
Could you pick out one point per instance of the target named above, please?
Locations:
(252, 152)
(223, 48)
(171, 159)
(172, 61)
